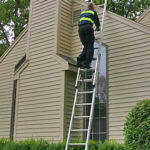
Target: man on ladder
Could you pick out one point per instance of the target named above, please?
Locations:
(86, 33)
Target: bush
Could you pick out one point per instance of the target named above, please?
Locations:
(137, 127)
(112, 145)
(43, 145)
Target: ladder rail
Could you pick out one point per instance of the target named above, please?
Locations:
(90, 119)
(71, 121)
(102, 25)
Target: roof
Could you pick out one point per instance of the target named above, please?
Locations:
(143, 14)
(68, 59)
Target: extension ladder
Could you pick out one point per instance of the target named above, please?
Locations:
(93, 80)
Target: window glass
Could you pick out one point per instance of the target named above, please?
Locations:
(99, 124)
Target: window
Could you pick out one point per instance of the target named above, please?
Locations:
(13, 109)
(99, 124)
(76, 16)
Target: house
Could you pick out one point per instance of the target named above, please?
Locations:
(38, 72)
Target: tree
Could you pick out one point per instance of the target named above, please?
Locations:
(127, 8)
(13, 18)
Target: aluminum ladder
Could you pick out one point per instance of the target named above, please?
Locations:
(93, 92)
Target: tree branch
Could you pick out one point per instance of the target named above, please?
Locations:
(129, 9)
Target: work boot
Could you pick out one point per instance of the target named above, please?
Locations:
(85, 65)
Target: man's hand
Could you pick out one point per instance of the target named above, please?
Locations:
(97, 29)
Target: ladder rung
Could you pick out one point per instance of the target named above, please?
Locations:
(79, 130)
(94, 59)
(80, 117)
(96, 48)
(90, 69)
(85, 104)
(86, 80)
(85, 92)
(73, 144)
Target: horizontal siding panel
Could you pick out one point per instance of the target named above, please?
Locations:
(39, 45)
(127, 65)
(34, 118)
(117, 110)
(130, 54)
(34, 77)
(43, 16)
(125, 32)
(37, 131)
(130, 95)
(54, 100)
(31, 123)
(132, 99)
(130, 86)
(121, 105)
(41, 93)
(37, 86)
(39, 114)
(125, 38)
(42, 31)
(51, 103)
(45, 73)
(41, 26)
(49, 134)
(42, 12)
(33, 99)
(128, 75)
(45, 49)
(35, 41)
(42, 4)
(130, 43)
(36, 126)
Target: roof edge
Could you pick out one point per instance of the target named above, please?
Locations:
(143, 15)
(8, 50)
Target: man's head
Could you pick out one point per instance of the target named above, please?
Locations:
(90, 5)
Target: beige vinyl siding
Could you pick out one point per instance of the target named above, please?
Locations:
(128, 67)
(76, 44)
(40, 95)
(65, 28)
(70, 78)
(14, 54)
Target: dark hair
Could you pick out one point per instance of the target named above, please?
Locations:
(90, 5)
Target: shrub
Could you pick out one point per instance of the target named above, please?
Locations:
(137, 127)
(112, 145)
(43, 145)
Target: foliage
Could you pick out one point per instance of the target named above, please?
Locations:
(13, 16)
(112, 145)
(128, 8)
(137, 127)
(43, 145)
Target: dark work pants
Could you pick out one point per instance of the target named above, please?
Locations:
(87, 38)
